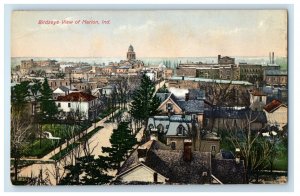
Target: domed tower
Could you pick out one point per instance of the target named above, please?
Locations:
(130, 53)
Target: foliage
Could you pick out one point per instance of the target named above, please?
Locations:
(163, 89)
(86, 171)
(122, 141)
(47, 104)
(144, 102)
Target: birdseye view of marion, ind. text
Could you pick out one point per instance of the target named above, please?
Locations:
(143, 97)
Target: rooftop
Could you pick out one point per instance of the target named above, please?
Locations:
(76, 97)
(273, 105)
(236, 82)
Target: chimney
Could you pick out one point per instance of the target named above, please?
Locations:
(153, 134)
(272, 57)
(142, 153)
(237, 155)
(187, 151)
(182, 77)
(187, 96)
(219, 57)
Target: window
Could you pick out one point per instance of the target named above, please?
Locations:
(173, 145)
(167, 126)
(169, 107)
(180, 130)
(213, 148)
(69, 105)
(160, 128)
(58, 105)
(154, 177)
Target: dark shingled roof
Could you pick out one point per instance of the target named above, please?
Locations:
(171, 165)
(192, 106)
(196, 94)
(162, 96)
(228, 171)
(76, 96)
(230, 113)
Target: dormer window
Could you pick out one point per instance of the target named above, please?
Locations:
(180, 130)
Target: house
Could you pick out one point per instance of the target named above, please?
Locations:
(108, 90)
(223, 118)
(277, 113)
(156, 163)
(170, 104)
(60, 91)
(78, 102)
(257, 100)
(175, 129)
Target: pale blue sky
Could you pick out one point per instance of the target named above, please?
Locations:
(152, 33)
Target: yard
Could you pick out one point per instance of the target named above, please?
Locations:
(40, 147)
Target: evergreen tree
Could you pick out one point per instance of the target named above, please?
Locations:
(122, 141)
(48, 109)
(86, 171)
(144, 102)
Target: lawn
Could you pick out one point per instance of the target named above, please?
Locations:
(34, 149)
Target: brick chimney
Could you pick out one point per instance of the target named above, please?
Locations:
(187, 150)
(142, 153)
(187, 96)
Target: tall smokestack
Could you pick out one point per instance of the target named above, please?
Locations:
(272, 57)
(270, 60)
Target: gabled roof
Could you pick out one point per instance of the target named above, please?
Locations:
(170, 164)
(273, 105)
(77, 97)
(63, 88)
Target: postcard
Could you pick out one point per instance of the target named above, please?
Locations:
(144, 97)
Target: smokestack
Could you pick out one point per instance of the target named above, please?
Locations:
(187, 151)
(272, 57)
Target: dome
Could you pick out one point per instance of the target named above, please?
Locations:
(130, 49)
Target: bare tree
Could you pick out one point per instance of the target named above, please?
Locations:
(254, 148)
(20, 129)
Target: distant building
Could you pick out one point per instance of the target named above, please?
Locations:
(276, 77)
(225, 60)
(251, 72)
(131, 53)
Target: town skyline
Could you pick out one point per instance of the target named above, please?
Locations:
(164, 33)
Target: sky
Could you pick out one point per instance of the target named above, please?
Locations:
(181, 33)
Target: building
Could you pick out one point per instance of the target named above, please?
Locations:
(131, 53)
(276, 77)
(251, 72)
(234, 118)
(79, 103)
(225, 60)
(277, 113)
(258, 100)
(156, 163)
